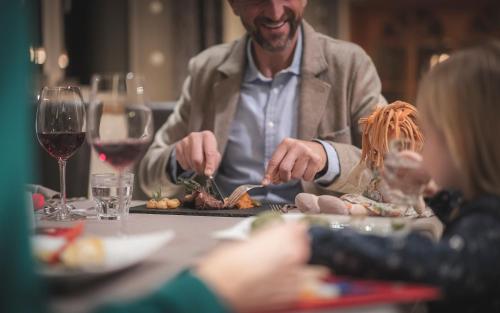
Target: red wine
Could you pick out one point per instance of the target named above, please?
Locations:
(121, 154)
(61, 145)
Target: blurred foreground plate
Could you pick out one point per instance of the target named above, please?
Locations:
(119, 253)
(383, 226)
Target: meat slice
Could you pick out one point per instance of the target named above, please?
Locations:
(203, 200)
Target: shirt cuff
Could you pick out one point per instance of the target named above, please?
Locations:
(333, 165)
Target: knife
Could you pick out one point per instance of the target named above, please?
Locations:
(214, 189)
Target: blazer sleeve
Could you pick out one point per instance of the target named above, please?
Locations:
(184, 294)
(365, 93)
(153, 169)
(363, 96)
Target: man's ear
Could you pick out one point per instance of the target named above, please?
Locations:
(234, 7)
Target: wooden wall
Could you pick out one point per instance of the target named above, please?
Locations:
(402, 35)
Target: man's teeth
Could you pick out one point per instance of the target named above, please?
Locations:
(274, 25)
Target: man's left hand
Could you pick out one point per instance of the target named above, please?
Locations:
(295, 159)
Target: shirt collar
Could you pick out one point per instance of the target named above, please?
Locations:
(253, 73)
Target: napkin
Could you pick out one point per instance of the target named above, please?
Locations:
(46, 192)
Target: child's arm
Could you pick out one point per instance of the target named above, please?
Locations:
(459, 263)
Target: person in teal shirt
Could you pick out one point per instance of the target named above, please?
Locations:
(216, 284)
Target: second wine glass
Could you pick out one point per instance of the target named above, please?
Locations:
(120, 124)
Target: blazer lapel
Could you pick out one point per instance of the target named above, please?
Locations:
(227, 92)
(314, 91)
(226, 95)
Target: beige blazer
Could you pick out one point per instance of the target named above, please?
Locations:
(339, 85)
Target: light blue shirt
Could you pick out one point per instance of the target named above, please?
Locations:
(267, 113)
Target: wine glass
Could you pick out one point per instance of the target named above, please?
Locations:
(60, 128)
(120, 125)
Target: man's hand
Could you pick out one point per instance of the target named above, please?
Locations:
(198, 152)
(295, 159)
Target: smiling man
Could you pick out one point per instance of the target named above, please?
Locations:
(279, 106)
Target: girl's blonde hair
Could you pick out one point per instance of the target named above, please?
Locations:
(460, 97)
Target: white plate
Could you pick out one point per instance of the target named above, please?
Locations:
(370, 225)
(120, 253)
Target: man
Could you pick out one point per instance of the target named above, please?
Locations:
(279, 106)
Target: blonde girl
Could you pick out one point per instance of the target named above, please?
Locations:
(459, 105)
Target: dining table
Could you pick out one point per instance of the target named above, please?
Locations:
(194, 238)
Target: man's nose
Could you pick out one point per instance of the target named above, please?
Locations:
(275, 9)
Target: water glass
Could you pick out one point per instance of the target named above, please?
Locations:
(106, 193)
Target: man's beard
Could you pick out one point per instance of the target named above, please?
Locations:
(276, 43)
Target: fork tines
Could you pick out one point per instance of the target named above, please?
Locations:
(239, 192)
(236, 195)
(275, 208)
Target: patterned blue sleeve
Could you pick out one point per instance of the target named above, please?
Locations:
(462, 263)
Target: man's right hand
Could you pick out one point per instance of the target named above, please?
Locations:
(198, 151)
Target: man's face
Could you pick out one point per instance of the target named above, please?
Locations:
(271, 23)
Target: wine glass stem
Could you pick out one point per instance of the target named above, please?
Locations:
(62, 180)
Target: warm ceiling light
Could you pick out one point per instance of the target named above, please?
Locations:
(434, 60)
(157, 58)
(32, 54)
(63, 61)
(438, 58)
(443, 57)
(156, 7)
(38, 55)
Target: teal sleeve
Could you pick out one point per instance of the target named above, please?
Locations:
(21, 291)
(184, 294)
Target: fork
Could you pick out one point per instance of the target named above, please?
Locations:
(238, 193)
(276, 208)
(281, 208)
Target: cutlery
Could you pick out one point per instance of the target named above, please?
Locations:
(239, 192)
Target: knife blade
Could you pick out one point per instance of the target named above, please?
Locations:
(214, 189)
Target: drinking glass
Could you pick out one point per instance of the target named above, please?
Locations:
(403, 189)
(60, 128)
(106, 193)
(120, 124)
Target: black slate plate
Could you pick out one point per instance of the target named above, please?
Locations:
(188, 211)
